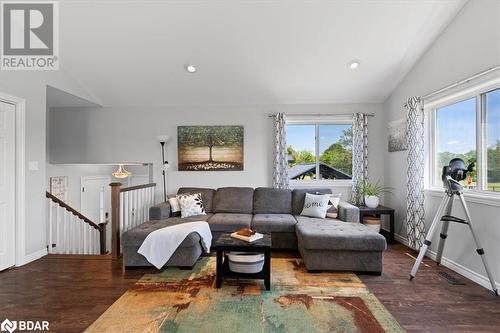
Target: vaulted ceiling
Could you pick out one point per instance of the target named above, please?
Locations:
(132, 53)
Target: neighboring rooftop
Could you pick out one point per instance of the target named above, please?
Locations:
(300, 171)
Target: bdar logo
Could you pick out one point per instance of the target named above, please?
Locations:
(8, 326)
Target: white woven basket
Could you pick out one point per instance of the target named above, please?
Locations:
(243, 262)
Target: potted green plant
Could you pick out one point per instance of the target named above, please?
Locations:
(371, 193)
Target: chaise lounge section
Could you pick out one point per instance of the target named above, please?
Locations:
(341, 244)
(186, 255)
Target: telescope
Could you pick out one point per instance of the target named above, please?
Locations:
(455, 172)
(452, 174)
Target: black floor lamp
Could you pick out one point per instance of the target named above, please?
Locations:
(163, 139)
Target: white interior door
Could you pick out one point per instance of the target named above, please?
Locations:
(96, 201)
(7, 185)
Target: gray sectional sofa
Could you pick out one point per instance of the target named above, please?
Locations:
(325, 244)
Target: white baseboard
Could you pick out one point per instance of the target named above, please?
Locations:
(482, 280)
(401, 239)
(33, 256)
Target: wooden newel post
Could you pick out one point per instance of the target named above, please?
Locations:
(115, 219)
(102, 235)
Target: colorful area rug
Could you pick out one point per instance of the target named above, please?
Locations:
(186, 301)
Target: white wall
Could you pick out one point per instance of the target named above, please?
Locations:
(470, 44)
(127, 134)
(31, 85)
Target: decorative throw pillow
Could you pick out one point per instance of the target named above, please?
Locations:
(315, 205)
(333, 204)
(175, 207)
(191, 204)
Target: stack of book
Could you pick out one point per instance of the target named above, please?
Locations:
(247, 235)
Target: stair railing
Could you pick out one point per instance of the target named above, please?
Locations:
(129, 208)
(70, 232)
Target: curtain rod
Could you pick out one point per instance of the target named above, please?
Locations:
(371, 114)
(458, 83)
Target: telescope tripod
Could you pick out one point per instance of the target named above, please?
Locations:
(446, 206)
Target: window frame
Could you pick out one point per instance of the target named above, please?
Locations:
(477, 91)
(316, 121)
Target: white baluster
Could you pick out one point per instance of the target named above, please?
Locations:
(84, 248)
(148, 201)
(90, 245)
(51, 217)
(136, 207)
(74, 239)
(86, 243)
(141, 206)
(83, 238)
(64, 241)
(64, 225)
(152, 202)
(70, 234)
(58, 222)
(96, 249)
(79, 236)
(130, 208)
(152, 196)
(91, 241)
(145, 205)
(96, 242)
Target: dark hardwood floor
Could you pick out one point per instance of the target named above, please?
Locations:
(72, 293)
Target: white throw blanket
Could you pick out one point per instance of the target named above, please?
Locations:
(159, 245)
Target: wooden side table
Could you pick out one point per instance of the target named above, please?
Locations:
(380, 210)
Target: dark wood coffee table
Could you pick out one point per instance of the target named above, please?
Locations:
(225, 243)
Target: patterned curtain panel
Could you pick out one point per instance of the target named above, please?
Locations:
(280, 172)
(415, 213)
(359, 154)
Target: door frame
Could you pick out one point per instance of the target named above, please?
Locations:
(20, 179)
(85, 178)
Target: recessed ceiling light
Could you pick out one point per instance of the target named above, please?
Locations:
(190, 68)
(353, 64)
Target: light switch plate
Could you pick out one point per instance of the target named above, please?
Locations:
(33, 165)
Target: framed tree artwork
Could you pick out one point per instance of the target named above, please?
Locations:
(210, 148)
